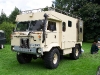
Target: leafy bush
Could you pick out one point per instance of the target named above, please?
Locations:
(7, 27)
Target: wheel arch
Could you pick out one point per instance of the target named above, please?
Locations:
(54, 45)
(78, 44)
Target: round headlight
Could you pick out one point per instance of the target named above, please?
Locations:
(39, 50)
(12, 48)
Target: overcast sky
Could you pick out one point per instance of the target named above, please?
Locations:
(9, 5)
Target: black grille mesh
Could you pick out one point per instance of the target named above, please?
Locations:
(24, 43)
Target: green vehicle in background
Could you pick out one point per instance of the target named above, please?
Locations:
(2, 39)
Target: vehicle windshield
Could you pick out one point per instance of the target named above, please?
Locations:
(30, 25)
(22, 26)
(36, 25)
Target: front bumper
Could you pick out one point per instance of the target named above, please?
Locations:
(31, 50)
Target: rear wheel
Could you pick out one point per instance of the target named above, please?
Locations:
(24, 58)
(52, 58)
(76, 51)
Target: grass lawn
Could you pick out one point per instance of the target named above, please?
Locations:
(86, 65)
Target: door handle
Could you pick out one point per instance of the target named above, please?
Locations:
(54, 36)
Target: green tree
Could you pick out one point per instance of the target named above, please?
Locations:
(62, 4)
(45, 9)
(13, 15)
(90, 15)
(69, 6)
(7, 27)
(3, 17)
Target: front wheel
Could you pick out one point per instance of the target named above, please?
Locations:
(52, 58)
(24, 58)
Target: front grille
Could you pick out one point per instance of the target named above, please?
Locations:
(24, 43)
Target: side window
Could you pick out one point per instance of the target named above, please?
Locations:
(69, 24)
(63, 26)
(51, 26)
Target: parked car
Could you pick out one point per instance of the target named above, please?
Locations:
(2, 39)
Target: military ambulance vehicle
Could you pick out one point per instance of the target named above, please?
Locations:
(47, 35)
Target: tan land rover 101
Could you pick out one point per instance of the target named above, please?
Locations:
(47, 35)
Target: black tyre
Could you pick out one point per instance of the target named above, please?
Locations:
(98, 71)
(76, 51)
(34, 57)
(24, 58)
(52, 58)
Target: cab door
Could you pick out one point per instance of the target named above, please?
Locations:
(52, 34)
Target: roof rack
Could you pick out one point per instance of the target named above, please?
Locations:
(35, 10)
(49, 9)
